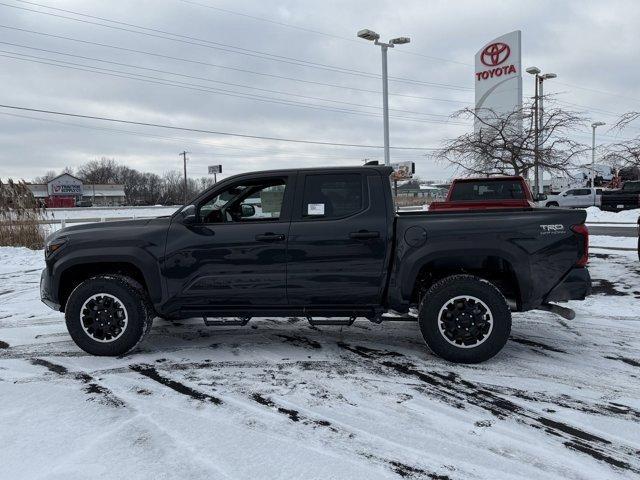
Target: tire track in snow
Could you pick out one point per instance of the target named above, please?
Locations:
(454, 390)
(106, 396)
(150, 372)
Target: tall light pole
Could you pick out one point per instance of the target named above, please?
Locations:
(541, 79)
(536, 125)
(594, 125)
(539, 124)
(375, 38)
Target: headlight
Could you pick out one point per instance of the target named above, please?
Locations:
(53, 246)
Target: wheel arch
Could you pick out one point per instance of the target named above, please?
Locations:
(73, 271)
(495, 267)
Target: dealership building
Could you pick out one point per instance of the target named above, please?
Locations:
(68, 191)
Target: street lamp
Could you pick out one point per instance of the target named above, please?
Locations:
(594, 125)
(539, 123)
(374, 37)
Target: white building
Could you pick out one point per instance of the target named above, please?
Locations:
(68, 191)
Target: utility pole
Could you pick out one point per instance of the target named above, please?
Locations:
(184, 158)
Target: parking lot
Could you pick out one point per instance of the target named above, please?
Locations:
(369, 401)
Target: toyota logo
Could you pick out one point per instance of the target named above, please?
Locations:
(495, 54)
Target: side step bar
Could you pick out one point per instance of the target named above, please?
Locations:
(240, 322)
(331, 321)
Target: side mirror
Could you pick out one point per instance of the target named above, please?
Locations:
(247, 210)
(189, 215)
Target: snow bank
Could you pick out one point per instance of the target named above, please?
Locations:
(594, 214)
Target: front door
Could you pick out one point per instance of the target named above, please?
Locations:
(235, 253)
(338, 240)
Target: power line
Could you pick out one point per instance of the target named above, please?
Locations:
(211, 132)
(589, 89)
(317, 32)
(202, 88)
(212, 80)
(208, 64)
(183, 140)
(151, 32)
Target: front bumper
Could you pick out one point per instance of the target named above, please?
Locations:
(576, 285)
(46, 291)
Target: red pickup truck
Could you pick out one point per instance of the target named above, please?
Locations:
(486, 194)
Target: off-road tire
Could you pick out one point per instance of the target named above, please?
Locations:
(440, 294)
(130, 294)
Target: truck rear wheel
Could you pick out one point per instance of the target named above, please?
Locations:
(108, 315)
(465, 319)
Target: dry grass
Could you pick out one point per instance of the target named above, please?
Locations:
(20, 216)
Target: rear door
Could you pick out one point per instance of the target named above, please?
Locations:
(338, 239)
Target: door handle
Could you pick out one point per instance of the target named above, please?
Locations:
(270, 237)
(364, 234)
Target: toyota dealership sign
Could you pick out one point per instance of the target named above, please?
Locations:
(498, 75)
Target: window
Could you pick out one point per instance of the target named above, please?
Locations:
(332, 196)
(256, 201)
(487, 190)
(583, 191)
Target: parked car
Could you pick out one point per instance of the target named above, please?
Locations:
(626, 198)
(325, 243)
(574, 198)
(486, 194)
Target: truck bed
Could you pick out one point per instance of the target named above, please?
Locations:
(536, 245)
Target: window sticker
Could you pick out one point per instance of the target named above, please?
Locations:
(315, 209)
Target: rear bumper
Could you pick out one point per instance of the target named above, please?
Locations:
(46, 294)
(576, 285)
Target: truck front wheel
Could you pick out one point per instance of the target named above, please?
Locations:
(465, 319)
(108, 315)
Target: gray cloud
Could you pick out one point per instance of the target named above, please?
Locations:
(589, 44)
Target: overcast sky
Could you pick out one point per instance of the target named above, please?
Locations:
(593, 45)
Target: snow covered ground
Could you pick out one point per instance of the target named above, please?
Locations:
(594, 214)
(282, 399)
(109, 212)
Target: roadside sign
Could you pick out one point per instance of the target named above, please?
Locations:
(214, 169)
(403, 170)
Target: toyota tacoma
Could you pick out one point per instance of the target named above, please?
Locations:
(324, 243)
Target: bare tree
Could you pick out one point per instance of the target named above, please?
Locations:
(504, 143)
(46, 178)
(103, 171)
(625, 154)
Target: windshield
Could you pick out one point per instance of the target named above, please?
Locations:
(488, 190)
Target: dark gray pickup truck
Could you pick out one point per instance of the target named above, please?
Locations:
(626, 198)
(317, 243)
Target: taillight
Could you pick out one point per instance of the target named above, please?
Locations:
(582, 231)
